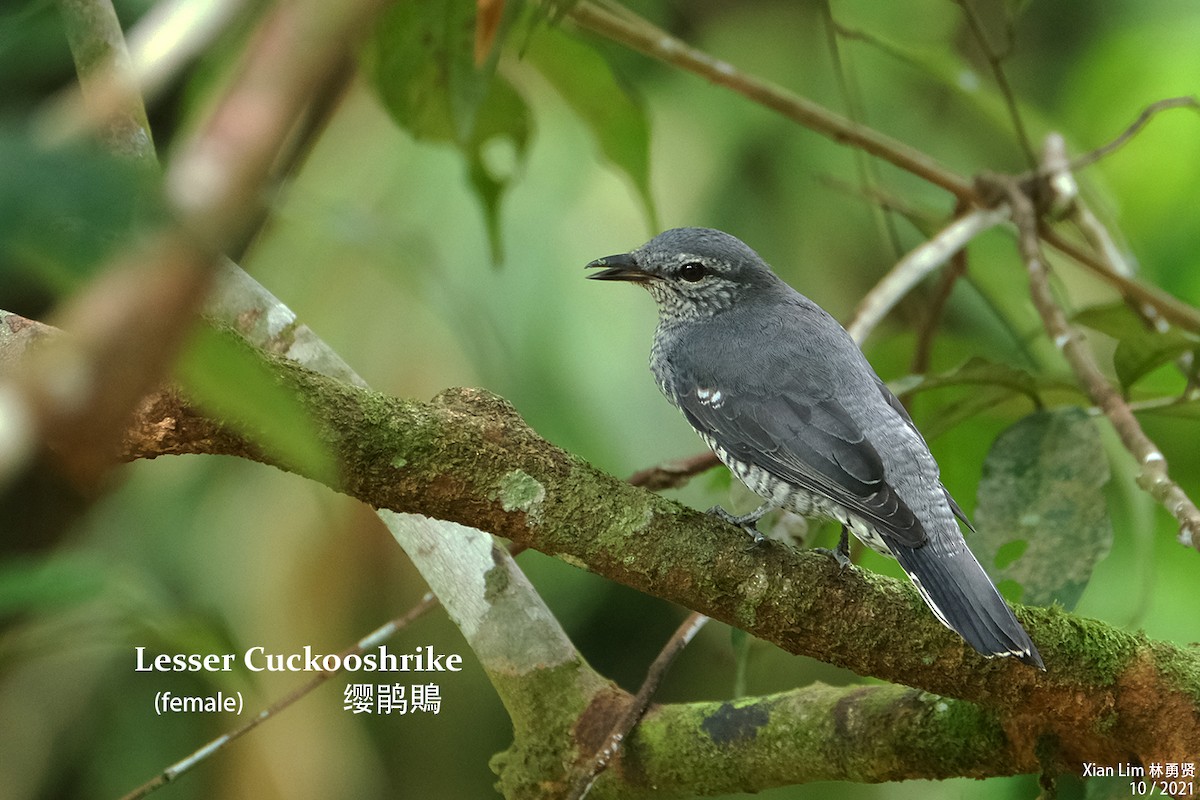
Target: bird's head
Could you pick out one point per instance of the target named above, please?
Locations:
(691, 272)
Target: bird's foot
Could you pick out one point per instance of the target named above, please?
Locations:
(842, 553)
(747, 522)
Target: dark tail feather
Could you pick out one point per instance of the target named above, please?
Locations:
(963, 598)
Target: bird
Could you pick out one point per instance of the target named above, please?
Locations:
(785, 398)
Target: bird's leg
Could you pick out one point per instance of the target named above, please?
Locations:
(841, 554)
(747, 522)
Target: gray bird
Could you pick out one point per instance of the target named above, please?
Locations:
(784, 397)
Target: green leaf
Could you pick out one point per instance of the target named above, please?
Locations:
(1135, 358)
(1041, 520)
(1114, 319)
(609, 108)
(981, 372)
(223, 374)
(422, 65)
(502, 120)
(1140, 350)
(997, 383)
(1185, 409)
(951, 415)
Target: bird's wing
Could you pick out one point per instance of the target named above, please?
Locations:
(899, 408)
(813, 444)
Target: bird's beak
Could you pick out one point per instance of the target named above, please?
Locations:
(621, 267)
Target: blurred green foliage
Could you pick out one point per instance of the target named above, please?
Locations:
(229, 381)
(385, 242)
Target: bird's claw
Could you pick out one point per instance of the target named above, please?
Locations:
(841, 554)
(842, 559)
(747, 522)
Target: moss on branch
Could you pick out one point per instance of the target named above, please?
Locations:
(468, 457)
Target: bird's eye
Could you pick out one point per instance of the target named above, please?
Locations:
(692, 271)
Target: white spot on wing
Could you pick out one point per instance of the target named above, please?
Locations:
(710, 397)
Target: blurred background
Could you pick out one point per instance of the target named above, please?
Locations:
(380, 245)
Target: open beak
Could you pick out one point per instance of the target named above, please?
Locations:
(621, 267)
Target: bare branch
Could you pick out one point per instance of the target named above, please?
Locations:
(1154, 477)
(926, 332)
(640, 35)
(1171, 308)
(674, 474)
(586, 776)
(922, 260)
(1148, 113)
(995, 60)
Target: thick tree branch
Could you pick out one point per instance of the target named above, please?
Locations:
(468, 457)
(867, 734)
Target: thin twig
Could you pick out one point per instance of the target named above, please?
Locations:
(1067, 202)
(372, 639)
(1153, 477)
(586, 776)
(1155, 306)
(106, 78)
(673, 474)
(916, 265)
(1147, 114)
(868, 173)
(1172, 308)
(926, 332)
(995, 60)
(926, 221)
(640, 35)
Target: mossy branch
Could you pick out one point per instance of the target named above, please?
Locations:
(468, 457)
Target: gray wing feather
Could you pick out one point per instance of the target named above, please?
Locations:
(813, 444)
(895, 403)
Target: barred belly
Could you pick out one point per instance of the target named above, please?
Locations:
(800, 501)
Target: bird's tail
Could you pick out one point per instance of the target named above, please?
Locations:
(964, 599)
